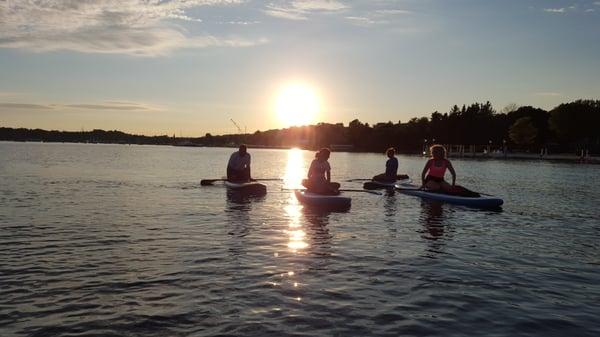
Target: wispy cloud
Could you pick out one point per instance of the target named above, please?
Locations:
(363, 20)
(301, 9)
(555, 10)
(239, 22)
(110, 106)
(135, 27)
(391, 12)
(24, 106)
(318, 5)
(379, 16)
(285, 13)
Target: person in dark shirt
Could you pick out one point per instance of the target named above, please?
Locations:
(238, 167)
(391, 168)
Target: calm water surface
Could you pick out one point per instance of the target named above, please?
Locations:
(117, 240)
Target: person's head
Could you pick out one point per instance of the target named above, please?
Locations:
(390, 152)
(323, 154)
(438, 152)
(243, 149)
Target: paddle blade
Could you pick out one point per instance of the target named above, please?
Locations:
(207, 182)
(371, 186)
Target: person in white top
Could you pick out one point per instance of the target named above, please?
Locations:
(319, 175)
(238, 167)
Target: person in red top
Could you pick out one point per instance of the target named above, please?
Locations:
(435, 169)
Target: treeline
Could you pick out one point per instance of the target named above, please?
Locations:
(95, 136)
(569, 127)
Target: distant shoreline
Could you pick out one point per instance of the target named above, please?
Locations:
(524, 156)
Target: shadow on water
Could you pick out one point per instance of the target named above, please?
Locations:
(241, 201)
(239, 222)
(390, 206)
(320, 237)
(436, 226)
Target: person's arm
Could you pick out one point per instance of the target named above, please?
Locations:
(229, 166)
(425, 169)
(249, 160)
(310, 169)
(328, 173)
(451, 169)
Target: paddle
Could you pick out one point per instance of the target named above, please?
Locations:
(413, 188)
(364, 191)
(205, 182)
(399, 177)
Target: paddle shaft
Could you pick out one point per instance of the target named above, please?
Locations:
(341, 190)
(204, 182)
(364, 191)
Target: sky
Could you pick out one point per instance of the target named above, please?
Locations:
(187, 67)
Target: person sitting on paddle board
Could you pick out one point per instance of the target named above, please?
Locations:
(238, 167)
(435, 169)
(319, 175)
(391, 168)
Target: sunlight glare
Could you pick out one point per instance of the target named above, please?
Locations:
(297, 104)
(294, 170)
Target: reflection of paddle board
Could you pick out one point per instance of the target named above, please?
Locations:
(320, 200)
(483, 201)
(249, 187)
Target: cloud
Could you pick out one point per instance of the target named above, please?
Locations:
(109, 106)
(377, 17)
(300, 9)
(363, 21)
(318, 5)
(554, 10)
(134, 27)
(285, 13)
(240, 22)
(392, 12)
(23, 106)
(597, 3)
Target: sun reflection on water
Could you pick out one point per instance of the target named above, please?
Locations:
(294, 172)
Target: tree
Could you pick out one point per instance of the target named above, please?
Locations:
(576, 121)
(539, 119)
(510, 107)
(522, 132)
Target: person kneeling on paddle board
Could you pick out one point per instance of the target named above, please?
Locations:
(238, 168)
(391, 169)
(435, 169)
(319, 175)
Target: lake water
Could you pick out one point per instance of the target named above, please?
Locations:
(115, 240)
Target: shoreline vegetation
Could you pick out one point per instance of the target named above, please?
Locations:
(569, 132)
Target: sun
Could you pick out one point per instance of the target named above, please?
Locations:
(297, 104)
